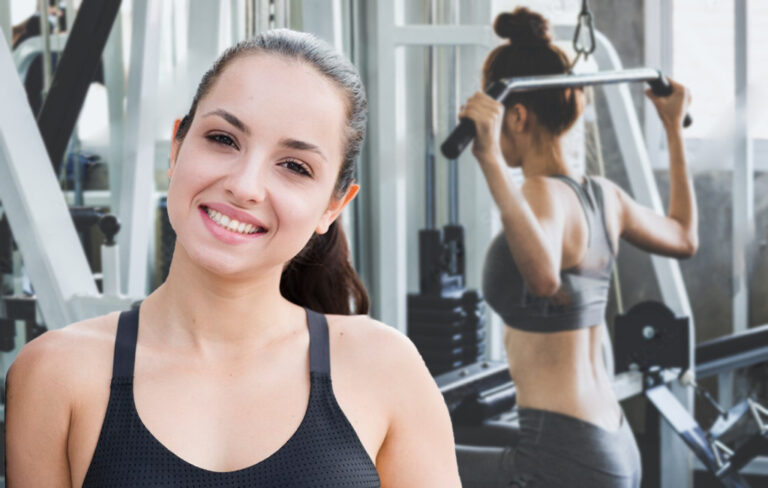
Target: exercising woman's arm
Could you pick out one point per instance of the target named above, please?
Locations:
(675, 234)
(534, 224)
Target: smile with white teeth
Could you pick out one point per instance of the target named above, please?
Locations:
(231, 224)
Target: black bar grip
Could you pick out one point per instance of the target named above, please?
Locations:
(462, 135)
(465, 131)
(663, 88)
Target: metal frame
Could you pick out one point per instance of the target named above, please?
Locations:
(743, 174)
(114, 79)
(138, 178)
(30, 48)
(79, 60)
(388, 255)
(659, 21)
(38, 215)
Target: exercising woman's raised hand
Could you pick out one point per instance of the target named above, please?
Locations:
(488, 115)
(673, 107)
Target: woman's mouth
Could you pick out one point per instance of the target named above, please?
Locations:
(231, 224)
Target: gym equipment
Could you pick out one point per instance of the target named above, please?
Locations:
(499, 90)
(664, 338)
(585, 20)
(23, 307)
(652, 340)
(445, 320)
(74, 73)
(649, 337)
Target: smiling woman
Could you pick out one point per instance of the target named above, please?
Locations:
(230, 374)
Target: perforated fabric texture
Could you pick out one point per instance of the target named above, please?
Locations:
(324, 452)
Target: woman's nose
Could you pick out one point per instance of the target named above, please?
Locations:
(247, 182)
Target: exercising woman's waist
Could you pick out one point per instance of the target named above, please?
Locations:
(588, 397)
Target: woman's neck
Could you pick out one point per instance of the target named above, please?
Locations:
(197, 308)
(545, 158)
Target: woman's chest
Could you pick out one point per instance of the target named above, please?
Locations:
(222, 422)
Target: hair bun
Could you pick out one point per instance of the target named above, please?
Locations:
(523, 27)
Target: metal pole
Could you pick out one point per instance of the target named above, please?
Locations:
(743, 190)
(114, 79)
(431, 122)
(453, 97)
(263, 19)
(530, 83)
(743, 173)
(71, 13)
(45, 32)
(136, 200)
(5, 21)
(247, 17)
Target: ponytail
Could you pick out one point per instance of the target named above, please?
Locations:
(321, 277)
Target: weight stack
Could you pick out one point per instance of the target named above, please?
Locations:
(445, 320)
(449, 332)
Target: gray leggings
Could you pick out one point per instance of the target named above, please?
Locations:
(556, 450)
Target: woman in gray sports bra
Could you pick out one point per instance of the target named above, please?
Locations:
(548, 273)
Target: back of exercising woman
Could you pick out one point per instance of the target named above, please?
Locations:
(230, 373)
(547, 274)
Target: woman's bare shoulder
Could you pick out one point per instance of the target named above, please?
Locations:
(378, 349)
(68, 356)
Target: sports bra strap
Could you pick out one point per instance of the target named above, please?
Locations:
(582, 190)
(125, 344)
(319, 353)
(128, 329)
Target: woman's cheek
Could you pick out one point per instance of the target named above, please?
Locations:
(297, 214)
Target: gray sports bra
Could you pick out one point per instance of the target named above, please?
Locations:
(580, 302)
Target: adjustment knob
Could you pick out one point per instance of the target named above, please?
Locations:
(109, 226)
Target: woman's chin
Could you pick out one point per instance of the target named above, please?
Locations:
(219, 264)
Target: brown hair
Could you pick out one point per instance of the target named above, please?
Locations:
(320, 277)
(530, 52)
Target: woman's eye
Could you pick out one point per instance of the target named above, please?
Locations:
(297, 167)
(221, 139)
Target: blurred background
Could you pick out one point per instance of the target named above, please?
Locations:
(102, 141)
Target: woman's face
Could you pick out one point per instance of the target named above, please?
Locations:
(254, 177)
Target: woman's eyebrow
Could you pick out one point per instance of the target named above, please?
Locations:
(302, 146)
(231, 119)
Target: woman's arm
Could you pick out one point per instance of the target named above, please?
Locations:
(418, 450)
(37, 417)
(534, 223)
(677, 233)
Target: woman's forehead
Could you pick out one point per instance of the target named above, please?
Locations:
(283, 81)
(270, 91)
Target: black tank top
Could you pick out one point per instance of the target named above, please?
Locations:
(323, 452)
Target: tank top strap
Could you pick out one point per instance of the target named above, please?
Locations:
(125, 345)
(584, 194)
(319, 348)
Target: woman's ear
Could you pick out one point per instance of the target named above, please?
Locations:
(517, 118)
(174, 146)
(335, 208)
